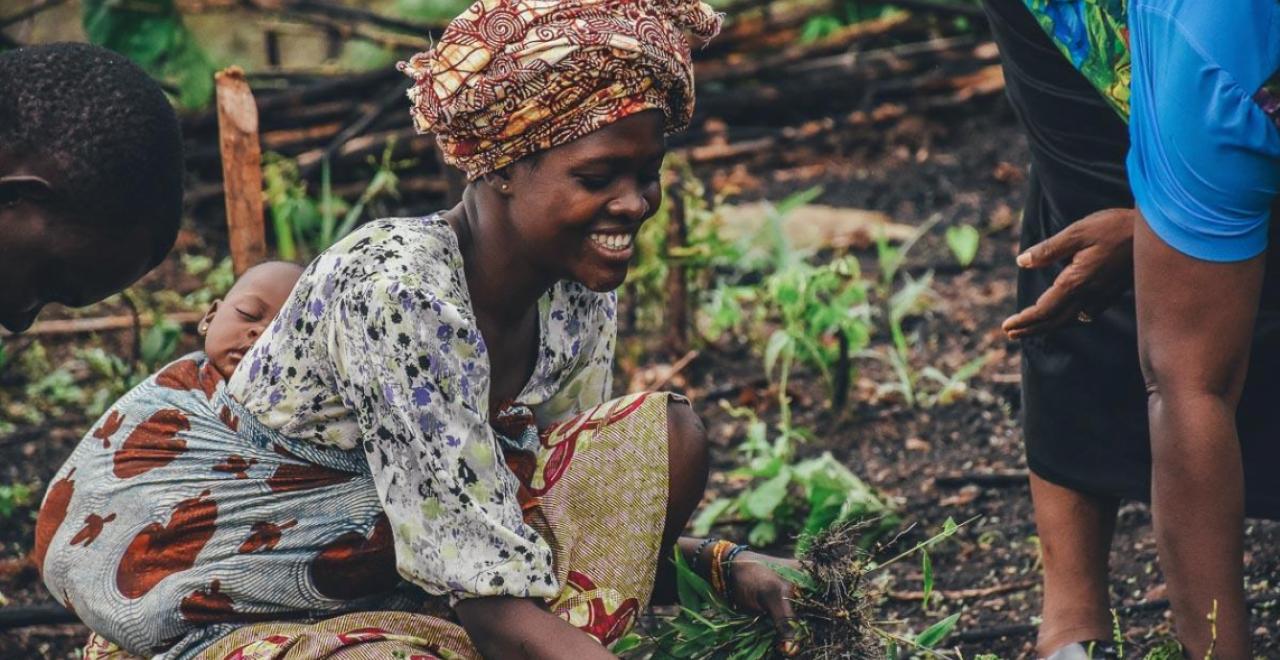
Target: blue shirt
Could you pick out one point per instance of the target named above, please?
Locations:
(1204, 161)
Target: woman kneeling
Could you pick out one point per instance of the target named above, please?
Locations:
(426, 460)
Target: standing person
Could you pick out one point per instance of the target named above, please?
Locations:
(1083, 77)
(90, 177)
(420, 456)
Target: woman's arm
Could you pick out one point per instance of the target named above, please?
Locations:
(502, 627)
(755, 587)
(1195, 326)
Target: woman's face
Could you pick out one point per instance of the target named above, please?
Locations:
(575, 209)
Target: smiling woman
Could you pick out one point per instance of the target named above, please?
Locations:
(428, 425)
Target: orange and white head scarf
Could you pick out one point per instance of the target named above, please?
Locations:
(509, 78)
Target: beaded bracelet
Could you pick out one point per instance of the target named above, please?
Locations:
(697, 553)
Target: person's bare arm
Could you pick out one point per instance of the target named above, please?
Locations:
(1195, 326)
(519, 628)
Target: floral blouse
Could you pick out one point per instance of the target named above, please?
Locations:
(378, 349)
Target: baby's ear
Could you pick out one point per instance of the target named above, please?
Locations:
(203, 328)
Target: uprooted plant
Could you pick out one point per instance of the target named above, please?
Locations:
(834, 605)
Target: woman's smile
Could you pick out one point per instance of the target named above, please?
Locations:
(612, 246)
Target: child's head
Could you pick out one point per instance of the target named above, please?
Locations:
(232, 324)
(90, 177)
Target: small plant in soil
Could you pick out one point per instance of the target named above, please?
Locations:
(901, 296)
(963, 241)
(789, 498)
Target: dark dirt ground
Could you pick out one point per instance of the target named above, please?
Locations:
(969, 168)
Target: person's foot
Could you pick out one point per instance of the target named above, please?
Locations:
(1091, 650)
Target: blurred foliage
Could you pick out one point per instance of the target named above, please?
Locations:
(153, 34)
(14, 497)
(431, 10)
(304, 225)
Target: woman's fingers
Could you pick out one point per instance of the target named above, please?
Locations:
(1059, 247)
(777, 604)
(1057, 302)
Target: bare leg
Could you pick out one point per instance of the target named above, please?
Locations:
(687, 452)
(1075, 539)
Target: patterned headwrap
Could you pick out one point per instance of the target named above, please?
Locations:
(509, 78)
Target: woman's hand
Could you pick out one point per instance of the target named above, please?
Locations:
(757, 587)
(1098, 250)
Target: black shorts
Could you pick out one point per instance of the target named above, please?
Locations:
(1084, 401)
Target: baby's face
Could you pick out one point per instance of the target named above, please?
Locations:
(235, 323)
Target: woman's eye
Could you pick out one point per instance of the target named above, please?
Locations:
(252, 318)
(595, 182)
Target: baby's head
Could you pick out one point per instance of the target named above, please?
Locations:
(232, 324)
(90, 177)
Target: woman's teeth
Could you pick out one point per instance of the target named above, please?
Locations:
(616, 242)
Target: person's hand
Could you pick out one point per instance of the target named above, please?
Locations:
(758, 588)
(1098, 250)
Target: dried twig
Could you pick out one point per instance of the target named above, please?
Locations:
(355, 14)
(991, 479)
(21, 616)
(381, 107)
(33, 10)
(676, 369)
(103, 324)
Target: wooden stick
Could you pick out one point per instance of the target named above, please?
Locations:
(676, 369)
(24, 14)
(1000, 479)
(395, 93)
(103, 324)
(21, 616)
(354, 14)
(241, 169)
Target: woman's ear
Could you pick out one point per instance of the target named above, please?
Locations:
(203, 328)
(499, 180)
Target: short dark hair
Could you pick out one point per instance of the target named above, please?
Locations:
(107, 126)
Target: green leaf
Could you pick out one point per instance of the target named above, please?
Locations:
(934, 634)
(761, 648)
(761, 502)
(153, 34)
(797, 577)
(630, 642)
(693, 591)
(763, 533)
(709, 515)
(963, 241)
(780, 343)
(926, 569)
(160, 342)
